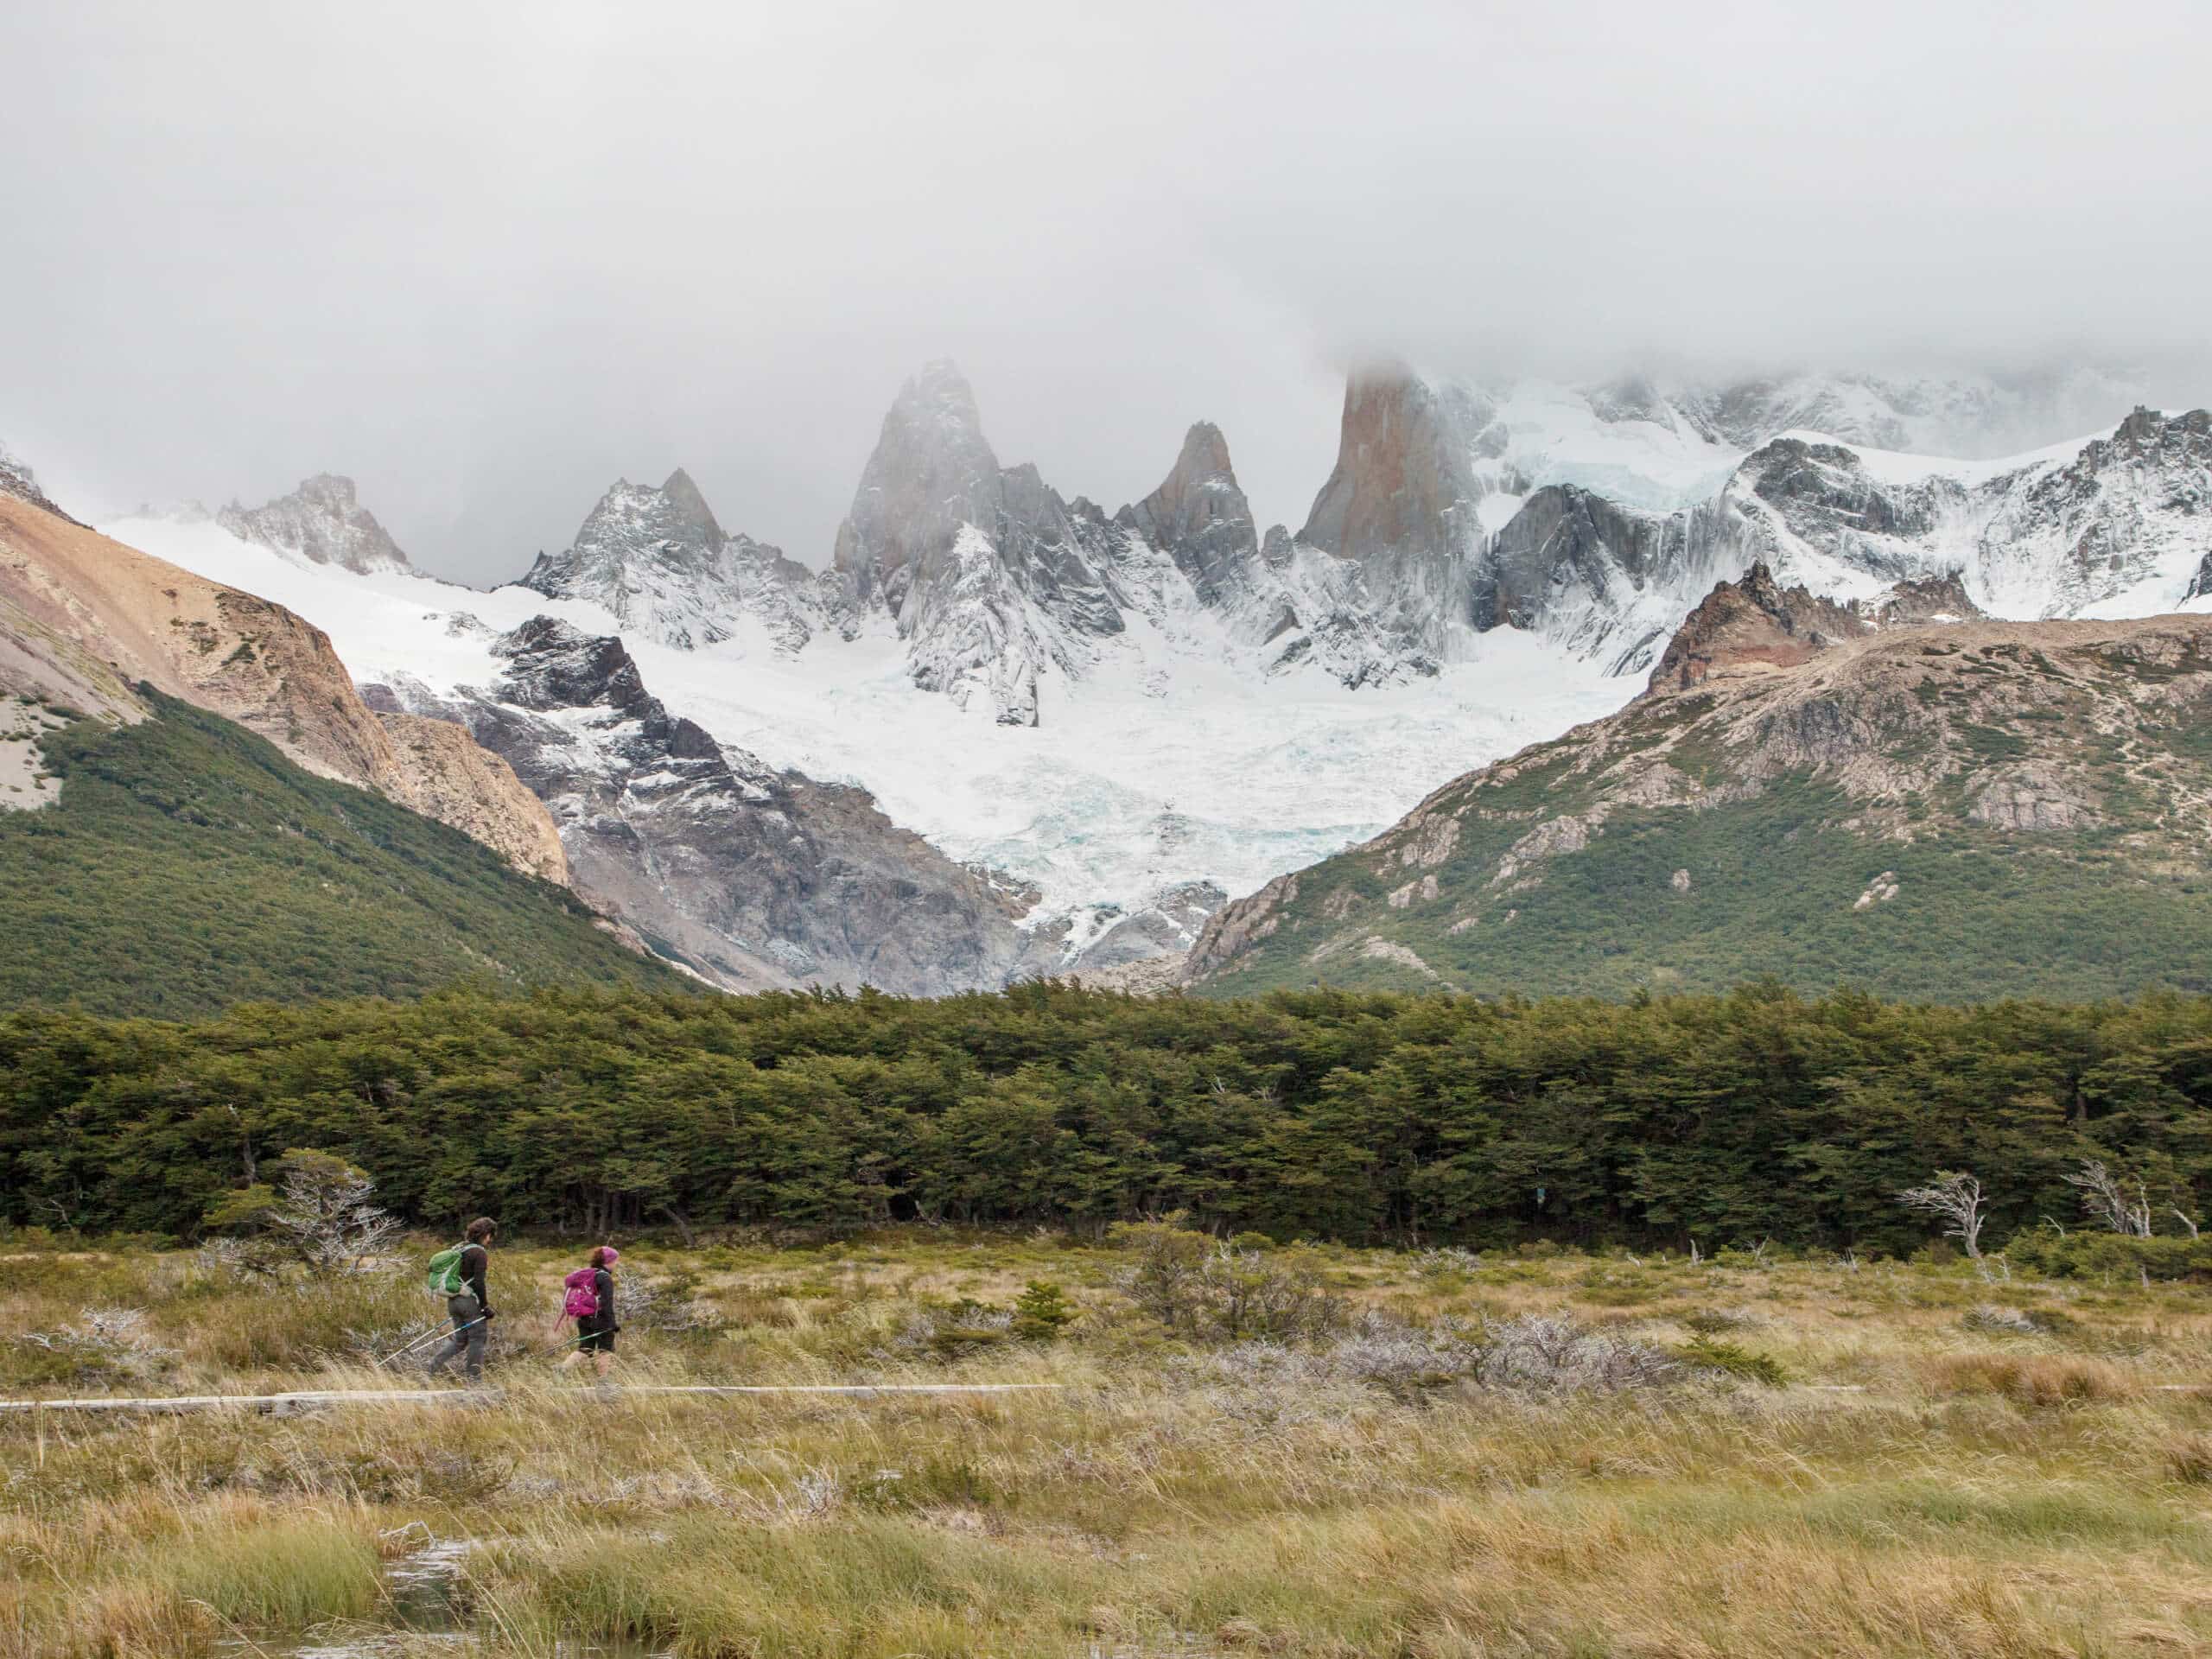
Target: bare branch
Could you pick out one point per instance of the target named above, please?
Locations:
(1955, 1198)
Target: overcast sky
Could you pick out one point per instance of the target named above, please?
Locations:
(486, 258)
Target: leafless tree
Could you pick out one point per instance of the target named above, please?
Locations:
(323, 1217)
(1954, 1197)
(2107, 1200)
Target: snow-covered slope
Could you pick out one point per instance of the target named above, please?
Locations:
(1136, 786)
(1129, 714)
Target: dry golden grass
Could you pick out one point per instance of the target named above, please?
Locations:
(1921, 1487)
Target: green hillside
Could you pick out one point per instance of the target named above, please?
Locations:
(188, 865)
(1930, 818)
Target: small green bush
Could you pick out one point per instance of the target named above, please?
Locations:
(1710, 1353)
(1041, 1312)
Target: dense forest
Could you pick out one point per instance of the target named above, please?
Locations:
(188, 865)
(1324, 1114)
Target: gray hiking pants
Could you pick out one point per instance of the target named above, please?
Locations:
(471, 1341)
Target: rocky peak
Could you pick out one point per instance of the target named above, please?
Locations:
(2127, 519)
(657, 561)
(1753, 624)
(1756, 624)
(554, 664)
(322, 522)
(1200, 517)
(1403, 481)
(690, 508)
(931, 471)
(2149, 438)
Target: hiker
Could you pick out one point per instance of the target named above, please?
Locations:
(460, 1274)
(590, 1303)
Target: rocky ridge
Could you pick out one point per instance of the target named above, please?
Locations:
(752, 878)
(322, 522)
(1597, 518)
(656, 559)
(1757, 624)
(16, 478)
(2005, 783)
(83, 619)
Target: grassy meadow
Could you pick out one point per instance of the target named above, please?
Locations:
(1260, 1449)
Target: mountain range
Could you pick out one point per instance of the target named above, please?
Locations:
(1001, 731)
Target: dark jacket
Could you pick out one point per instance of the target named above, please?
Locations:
(475, 1260)
(602, 1285)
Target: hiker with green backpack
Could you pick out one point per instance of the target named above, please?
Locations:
(457, 1274)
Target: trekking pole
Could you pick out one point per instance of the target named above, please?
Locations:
(419, 1341)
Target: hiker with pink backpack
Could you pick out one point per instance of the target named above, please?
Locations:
(588, 1299)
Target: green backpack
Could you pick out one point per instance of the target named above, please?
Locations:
(445, 1272)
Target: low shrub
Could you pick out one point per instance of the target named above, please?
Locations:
(1711, 1321)
(1555, 1355)
(1710, 1353)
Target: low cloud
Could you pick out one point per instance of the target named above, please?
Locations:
(487, 257)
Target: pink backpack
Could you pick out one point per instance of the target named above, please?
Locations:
(582, 1300)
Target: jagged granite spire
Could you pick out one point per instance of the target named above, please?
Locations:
(984, 571)
(1402, 485)
(931, 471)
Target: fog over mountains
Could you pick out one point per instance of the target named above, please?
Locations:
(1002, 729)
(486, 263)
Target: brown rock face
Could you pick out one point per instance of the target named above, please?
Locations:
(443, 774)
(1757, 625)
(1751, 625)
(1929, 600)
(1401, 477)
(83, 618)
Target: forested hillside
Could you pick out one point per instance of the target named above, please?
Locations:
(188, 865)
(1323, 1114)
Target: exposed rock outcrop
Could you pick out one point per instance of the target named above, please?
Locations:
(657, 561)
(1758, 625)
(1754, 623)
(753, 878)
(322, 522)
(1199, 517)
(984, 571)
